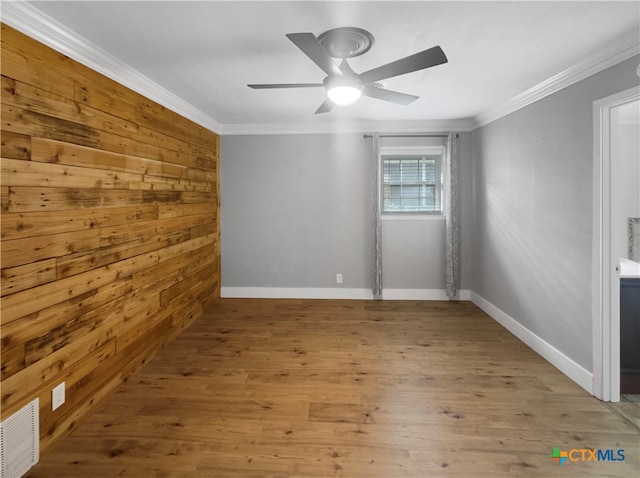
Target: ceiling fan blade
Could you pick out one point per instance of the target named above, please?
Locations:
(311, 47)
(285, 85)
(388, 95)
(418, 61)
(325, 107)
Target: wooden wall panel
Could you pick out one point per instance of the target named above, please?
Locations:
(110, 231)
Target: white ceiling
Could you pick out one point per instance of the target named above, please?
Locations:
(205, 52)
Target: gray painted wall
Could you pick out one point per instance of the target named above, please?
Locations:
(532, 212)
(297, 209)
(413, 254)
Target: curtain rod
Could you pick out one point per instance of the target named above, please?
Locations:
(417, 135)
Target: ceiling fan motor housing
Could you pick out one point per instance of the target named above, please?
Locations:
(334, 81)
(346, 42)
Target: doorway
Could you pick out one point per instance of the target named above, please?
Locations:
(613, 118)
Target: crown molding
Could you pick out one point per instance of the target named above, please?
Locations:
(624, 48)
(34, 23)
(348, 127)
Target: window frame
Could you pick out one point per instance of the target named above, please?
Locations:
(412, 151)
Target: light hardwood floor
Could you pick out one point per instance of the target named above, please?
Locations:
(303, 388)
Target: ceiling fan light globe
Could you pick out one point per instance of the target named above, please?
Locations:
(344, 95)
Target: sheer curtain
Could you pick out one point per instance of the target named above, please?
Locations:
(377, 225)
(451, 217)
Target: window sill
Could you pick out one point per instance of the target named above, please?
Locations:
(412, 217)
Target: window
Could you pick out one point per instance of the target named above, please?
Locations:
(412, 183)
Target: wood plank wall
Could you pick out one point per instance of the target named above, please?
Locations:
(110, 231)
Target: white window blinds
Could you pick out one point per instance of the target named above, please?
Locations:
(412, 183)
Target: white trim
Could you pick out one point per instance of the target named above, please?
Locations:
(408, 216)
(604, 280)
(29, 20)
(422, 294)
(348, 127)
(597, 243)
(626, 47)
(565, 364)
(295, 293)
(413, 150)
(335, 293)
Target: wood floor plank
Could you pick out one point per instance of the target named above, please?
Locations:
(321, 388)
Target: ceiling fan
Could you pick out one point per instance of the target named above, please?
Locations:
(344, 86)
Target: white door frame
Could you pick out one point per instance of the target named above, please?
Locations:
(605, 274)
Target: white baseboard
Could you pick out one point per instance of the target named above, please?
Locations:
(566, 365)
(422, 294)
(336, 293)
(295, 293)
